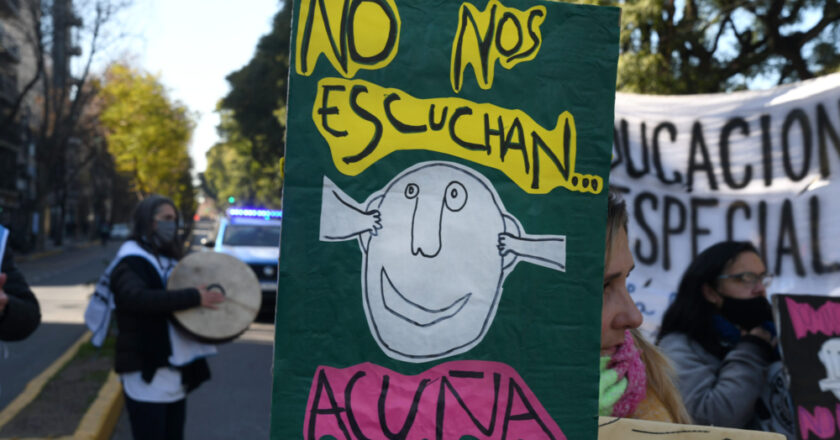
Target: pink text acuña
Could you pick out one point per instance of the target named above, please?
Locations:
(481, 399)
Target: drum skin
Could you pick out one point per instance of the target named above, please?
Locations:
(222, 272)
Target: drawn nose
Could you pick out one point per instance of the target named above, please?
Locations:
(425, 227)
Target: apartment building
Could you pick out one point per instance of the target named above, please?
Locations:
(17, 151)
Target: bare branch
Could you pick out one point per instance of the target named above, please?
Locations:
(793, 16)
(12, 114)
(726, 20)
(99, 20)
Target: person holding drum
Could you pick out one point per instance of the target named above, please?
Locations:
(155, 370)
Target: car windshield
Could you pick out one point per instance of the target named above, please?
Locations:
(250, 235)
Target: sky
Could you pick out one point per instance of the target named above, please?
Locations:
(193, 45)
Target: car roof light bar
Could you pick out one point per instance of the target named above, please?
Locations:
(267, 214)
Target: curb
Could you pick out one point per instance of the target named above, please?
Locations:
(101, 418)
(98, 422)
(34, 387)
(39, 255)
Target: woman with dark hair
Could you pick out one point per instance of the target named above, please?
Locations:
(719, 332)
(158, 364)
(635, 377)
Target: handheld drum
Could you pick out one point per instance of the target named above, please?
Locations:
(232, 278)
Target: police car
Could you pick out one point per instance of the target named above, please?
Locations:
(253, 236)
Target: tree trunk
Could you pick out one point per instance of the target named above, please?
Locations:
(43, 212)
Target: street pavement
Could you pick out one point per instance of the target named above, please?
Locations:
(234, 404)
(61, 283)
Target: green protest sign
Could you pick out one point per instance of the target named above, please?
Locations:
(444, 219)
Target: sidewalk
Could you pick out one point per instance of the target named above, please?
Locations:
(100, 418)
(98, 421)
(51, 248)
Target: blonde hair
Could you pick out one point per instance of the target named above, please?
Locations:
(660, 378)
(658, 369)
(616, 219)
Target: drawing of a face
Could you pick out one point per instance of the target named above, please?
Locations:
(438, 245)
(433, 272)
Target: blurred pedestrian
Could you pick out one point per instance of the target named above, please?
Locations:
(635, 377)
(20, 313)
(719, 332)
(155, 371)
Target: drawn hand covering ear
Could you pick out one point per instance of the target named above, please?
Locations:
(432, 275)
(350, 220)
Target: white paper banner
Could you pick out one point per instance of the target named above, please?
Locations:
(762, 166)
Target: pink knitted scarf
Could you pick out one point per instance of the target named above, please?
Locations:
(628, 363)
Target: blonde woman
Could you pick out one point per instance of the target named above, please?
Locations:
(636, 379)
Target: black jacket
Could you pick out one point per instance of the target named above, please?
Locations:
(143, 309)
(22, 314)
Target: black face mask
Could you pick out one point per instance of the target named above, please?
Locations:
(746, 313)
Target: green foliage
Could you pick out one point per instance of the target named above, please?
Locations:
(234, 173)
(258, 91)
(247, 163)
(708, 46)
(148, 135)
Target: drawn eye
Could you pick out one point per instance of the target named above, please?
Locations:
(411, 190)
(455, 197)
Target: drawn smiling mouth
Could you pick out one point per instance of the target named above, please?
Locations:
(412, 312)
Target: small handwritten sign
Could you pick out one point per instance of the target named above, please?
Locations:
(810, 338)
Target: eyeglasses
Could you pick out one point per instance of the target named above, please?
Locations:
(750, 278)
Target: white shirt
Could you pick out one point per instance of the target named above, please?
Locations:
(165, 386)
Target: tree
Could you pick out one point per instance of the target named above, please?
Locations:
(232, 170)
(707, 46)
(58, 91)
(148, 135)
(258, 90)
(108, 187)
(246, 164)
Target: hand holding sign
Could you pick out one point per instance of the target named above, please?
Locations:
(762, 333)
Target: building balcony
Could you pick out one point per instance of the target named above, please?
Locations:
(9, 8)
